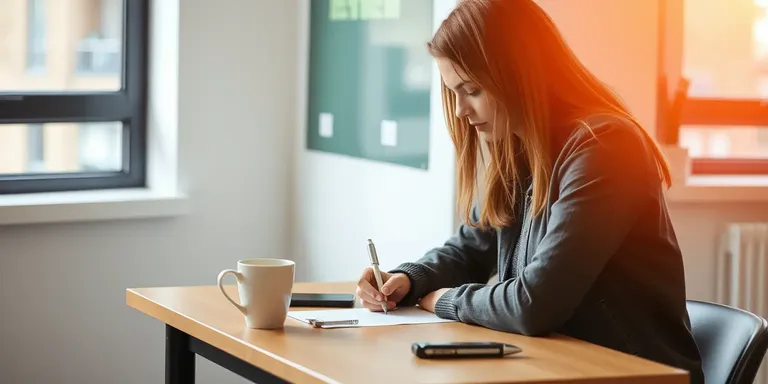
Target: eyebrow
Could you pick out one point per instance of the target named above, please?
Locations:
(459, 85)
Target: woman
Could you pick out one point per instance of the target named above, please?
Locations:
(573, 217)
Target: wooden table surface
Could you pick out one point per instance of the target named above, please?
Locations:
(301, 354)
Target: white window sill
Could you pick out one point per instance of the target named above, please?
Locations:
(688, 188)
(723, 189)
(98, 205)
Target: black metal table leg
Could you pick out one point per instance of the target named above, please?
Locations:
(180, 351)
(179, 359)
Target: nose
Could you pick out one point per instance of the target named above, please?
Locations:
(462, 109)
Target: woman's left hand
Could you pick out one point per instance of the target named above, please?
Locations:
(428, 302)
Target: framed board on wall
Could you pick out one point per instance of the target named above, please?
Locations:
(369, 79)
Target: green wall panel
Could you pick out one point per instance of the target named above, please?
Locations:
(369, 79)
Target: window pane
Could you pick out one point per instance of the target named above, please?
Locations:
(726, 48)
(61, 148)
(53, 45)
(725, 142)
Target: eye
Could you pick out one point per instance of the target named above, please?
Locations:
(475, 92)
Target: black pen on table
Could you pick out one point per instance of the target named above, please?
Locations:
(376, 272)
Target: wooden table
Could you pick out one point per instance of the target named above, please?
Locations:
(200, 321)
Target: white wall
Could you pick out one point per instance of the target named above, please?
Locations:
(342, 201)
(618, 41)
(63, 317)
(62, 286)
(698, 227)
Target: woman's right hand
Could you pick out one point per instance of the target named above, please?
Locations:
(395, 287)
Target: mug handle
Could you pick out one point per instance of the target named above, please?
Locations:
(239, 277)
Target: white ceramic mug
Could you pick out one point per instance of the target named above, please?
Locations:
(265, 287)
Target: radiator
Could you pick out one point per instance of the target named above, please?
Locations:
(742, 270)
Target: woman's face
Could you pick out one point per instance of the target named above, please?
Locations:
(472, 102)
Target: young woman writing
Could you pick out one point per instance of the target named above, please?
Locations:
(573, 219)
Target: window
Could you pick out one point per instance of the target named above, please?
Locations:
(723, 120)
(79, 124)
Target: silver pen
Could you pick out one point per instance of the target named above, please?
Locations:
(376, 272)
(331, 323)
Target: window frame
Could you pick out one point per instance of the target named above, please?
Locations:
(127, 105)
(703, 111)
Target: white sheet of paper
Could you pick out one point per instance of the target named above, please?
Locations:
(367, 318)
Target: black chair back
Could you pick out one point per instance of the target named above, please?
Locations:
(732, 341)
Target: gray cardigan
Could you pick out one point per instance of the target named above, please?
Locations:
(601, 262)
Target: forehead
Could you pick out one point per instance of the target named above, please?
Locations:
(452, 75)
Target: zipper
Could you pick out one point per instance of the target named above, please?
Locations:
(523, 236)
(502, 256)
(529, 220)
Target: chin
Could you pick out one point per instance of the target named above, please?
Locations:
(487, 136)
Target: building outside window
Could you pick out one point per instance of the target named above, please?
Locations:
(72, 112)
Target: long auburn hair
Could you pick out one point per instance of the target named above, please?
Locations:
(515, 53)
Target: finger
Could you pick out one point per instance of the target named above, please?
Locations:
(365, 285)
(366, 297)
(376, 307)
(395, 282)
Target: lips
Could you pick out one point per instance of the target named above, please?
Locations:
(480, 126)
